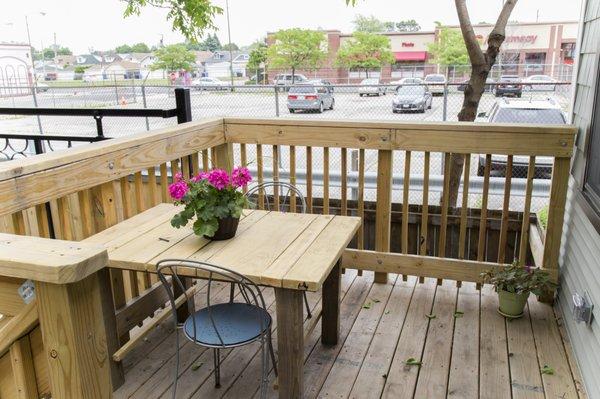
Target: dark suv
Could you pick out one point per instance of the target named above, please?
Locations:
(509, 85)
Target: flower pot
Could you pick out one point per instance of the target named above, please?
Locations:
(511, 304)
(227, 228)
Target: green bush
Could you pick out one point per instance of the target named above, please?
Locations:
(543, 216)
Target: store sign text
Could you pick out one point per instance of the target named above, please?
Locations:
(408, 44)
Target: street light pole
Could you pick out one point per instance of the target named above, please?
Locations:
(34, 80)
(229, 38)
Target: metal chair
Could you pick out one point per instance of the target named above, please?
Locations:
(221, 325)
(285, 191)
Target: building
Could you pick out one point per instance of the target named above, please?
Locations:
(218, 64)
(580, 251)
(16, 69)
(529, 48)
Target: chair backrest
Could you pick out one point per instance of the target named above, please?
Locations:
(179, 269)
(283, 194)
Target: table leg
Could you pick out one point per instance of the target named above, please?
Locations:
(290, 342)
(330, 322)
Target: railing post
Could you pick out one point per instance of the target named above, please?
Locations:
(69, 303)
(183, 104)
(384, 206)
(354, 168)
(445, 103)
(556, 215)
(145, 105)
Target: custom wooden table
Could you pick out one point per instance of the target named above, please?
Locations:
(288, 251)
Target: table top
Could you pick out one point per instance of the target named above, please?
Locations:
(288, 250)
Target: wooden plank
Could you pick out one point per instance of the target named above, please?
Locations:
(330, 316)
(463, 381)
(45, 177)
(196, 162)
(11, 302)
(309, 180)
(275, 175)
(139, 308)
(310, 271)
(244, 162)
(505, 210)
(224, 153)
(140, 196)
(87, 214)
(18, 326)
(259, 172)
(550, 351)
(326, 180)
(433, 373)
(405, 200)
(164, 183)
(293, 203)
(185, 166)
(361, 200)
(74, 338)
(205, 160)
(417, 265)
(39, 361)
(444, 206)
(290, 342)
(526, 212)
(43, 221)
(484, 204)
(402, 378)
(152, 188)
(369, 382)
(494, 374)
(53, 261)
(384, 206)
(464, 207)
(23, 371)
(457, 137)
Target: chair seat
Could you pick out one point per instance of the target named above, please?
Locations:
(237, 323)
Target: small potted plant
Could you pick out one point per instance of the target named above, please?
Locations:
(514, 284)
(214, 199)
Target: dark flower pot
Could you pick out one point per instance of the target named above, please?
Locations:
(227, 228)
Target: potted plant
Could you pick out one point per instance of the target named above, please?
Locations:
(214, 199)
(514, 284)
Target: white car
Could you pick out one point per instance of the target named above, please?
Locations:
(371, 87)
(436, 83)
(41, 88)
(539, 83)
(207, 83)
(407, 82)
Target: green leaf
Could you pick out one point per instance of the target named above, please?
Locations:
(206, 228)
(458, 314)
(547, 370)
(367, 305)
(376, 300)
(430, 316)
(196, 366)
(411, 361)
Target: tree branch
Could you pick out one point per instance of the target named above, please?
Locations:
(473, 47)
(498, 34)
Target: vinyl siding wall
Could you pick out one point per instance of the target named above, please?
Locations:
(580, 254)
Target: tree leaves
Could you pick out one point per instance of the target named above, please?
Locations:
(411, 361)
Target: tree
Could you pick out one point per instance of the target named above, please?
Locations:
(363, 23)
(140, 48)
(365, 51)
(297, 48)
(173, 58)
(123, 49)
(409, 25)
(190, 17)
(258, 59)
(450, 48)
(233, 46)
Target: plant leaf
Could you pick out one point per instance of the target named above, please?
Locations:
(411, 361)
(547, 370)
(458, 314)
(197, 366)
(367, 305)
(430, 316)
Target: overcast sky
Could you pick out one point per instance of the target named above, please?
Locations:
(99, 24)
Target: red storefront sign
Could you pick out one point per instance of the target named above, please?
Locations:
(411, 55)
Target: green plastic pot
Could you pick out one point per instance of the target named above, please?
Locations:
(512, 304)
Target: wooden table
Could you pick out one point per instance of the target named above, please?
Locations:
(288, 251)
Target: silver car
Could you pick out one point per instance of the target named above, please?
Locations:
(412, 98)
(371, 87)
(310, 98)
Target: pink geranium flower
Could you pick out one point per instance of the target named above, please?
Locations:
(178, 190)
(178, 176)
(240, 177)
(218, 178)
(199, 176)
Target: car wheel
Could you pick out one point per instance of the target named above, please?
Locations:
(320, 110)
(360, 94)
(292, 111)
(332, 104)
(480, 170)
(519, 95)
(395, 111)
(422, 110)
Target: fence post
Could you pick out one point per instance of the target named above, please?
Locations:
(354, 168)
(145, 105)
(383, 211)
(116, 90)
(183, 104)
(276, 100)
(445, 103)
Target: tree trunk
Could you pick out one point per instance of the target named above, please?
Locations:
(481, 64)
(293, 75)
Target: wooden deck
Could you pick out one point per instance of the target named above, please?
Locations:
(466, 348)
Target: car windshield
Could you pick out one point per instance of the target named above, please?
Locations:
(526, 115)
(302, 89)
(410, 91)
(434, 78)
(509, 78)
(369, 82)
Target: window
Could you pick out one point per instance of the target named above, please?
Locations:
(592, 176)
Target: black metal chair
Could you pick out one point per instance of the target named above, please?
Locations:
(221, 325)
(281, 191)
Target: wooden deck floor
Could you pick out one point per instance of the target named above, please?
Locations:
(466, 348)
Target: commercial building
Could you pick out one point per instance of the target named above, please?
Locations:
(529, 48)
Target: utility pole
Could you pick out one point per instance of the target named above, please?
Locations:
(229, 38)
(55, 49)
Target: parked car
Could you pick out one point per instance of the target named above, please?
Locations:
(287, 80)
(539, 83)
(522, 111)
(371, 87)
(41, 87)
(508, 85)
(490, 84)
(207, 83)
(406, 81)
(436, 83)
(412, 98)
(309, 97)
(321, 82)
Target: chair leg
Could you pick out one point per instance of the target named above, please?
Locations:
(217, 360)
(272, 351)
(265, 369)
(308, 313)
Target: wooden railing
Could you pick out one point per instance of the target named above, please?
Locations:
(72, 195)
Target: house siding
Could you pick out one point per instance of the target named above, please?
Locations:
(580, 253)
